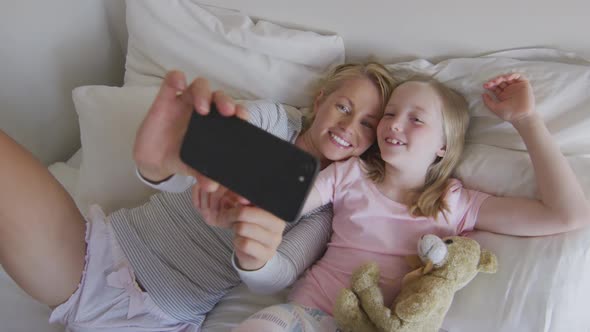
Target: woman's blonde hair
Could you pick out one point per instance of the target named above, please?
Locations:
(374, 71)
(430, 199)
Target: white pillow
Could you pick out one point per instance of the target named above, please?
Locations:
(543, 282)
(247, 60)
(109, 118)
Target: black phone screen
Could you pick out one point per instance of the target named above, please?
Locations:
(273, 174)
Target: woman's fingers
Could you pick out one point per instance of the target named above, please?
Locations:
(253, 215)
(267, 237)
(225, 104)
(198, 95)
(174, 82)
(206, 183)
(256, 243)
(251, 255)
(242, 113)
(232, 199)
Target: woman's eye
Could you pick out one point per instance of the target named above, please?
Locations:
(367, 124)
(343, 108)
(418, 120)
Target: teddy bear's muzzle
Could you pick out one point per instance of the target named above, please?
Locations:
(432, 248)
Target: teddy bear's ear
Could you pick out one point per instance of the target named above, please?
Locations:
(488, 263)
(414, 261)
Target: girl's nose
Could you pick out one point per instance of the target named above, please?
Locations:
(396, 124)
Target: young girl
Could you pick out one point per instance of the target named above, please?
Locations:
(384, 205)
(160, 267)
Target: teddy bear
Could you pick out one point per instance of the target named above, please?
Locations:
(445, 266)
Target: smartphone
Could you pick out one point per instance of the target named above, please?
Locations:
(271, 173)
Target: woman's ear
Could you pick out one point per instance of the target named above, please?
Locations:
(441, 152)
(317, 101)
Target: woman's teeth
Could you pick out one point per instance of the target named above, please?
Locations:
(340, 140)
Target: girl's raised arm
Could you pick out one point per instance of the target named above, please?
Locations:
(562, 205)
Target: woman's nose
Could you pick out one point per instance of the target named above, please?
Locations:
(346, 124)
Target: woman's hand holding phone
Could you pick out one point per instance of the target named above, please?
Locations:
(159, 138)
(257, 233)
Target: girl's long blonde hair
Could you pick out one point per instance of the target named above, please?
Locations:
(430, 199)
(374, 71)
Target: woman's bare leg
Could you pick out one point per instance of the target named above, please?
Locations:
(42, 232)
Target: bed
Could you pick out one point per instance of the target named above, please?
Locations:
(542, 283)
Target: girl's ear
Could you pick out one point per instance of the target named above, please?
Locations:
(441, 152)
(318, 100)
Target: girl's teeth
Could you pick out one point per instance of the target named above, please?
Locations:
(395, 142)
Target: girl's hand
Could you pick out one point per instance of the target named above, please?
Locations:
(514, 94)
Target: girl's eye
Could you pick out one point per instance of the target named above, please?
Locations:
(343, 108)
(388, 114)
(417, 120)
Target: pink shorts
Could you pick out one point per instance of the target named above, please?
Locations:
(108, 297)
